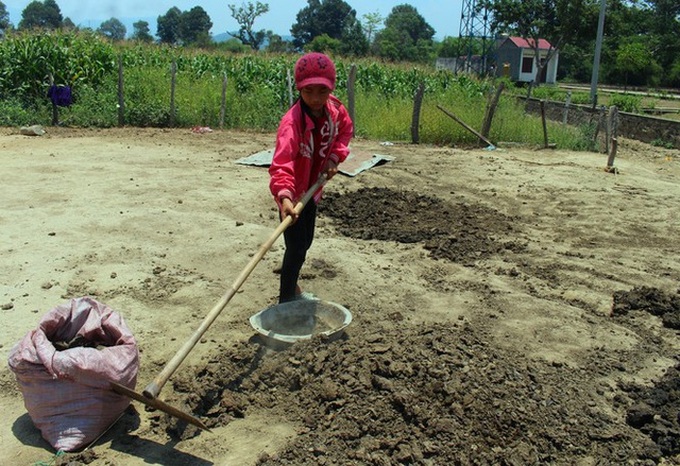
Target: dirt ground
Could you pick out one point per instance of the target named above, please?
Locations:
(510, 307)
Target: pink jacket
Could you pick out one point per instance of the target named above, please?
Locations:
(291, 165)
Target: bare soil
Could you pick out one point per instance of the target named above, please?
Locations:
(510, 307)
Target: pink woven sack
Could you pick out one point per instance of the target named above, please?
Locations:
(66, 392)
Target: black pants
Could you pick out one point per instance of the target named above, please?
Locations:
(298, 238)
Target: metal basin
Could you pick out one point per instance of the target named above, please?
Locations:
(303, 319)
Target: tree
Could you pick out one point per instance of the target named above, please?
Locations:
(407, 36)
(324, 44)
(167, 28)
(663, 30)
(245, 16)
(46, 15)
(635, 62)
(276, 44)
(5, 25)
(194, 27)
(372, 22)
(328, 17)
(68, 24)
(113, 28)
(141, 32)
(354, 41)
(449, 47)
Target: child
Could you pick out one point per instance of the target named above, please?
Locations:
(313, 138)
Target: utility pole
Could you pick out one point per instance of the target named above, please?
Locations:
(598, 52)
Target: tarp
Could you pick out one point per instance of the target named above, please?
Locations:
(356, 162)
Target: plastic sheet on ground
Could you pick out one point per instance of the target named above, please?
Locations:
(356, 162)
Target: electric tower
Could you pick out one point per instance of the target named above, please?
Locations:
(475, 41)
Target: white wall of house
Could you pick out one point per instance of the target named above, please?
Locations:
(529, 66)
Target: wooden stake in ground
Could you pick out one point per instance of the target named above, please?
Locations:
(417, 105)
(491, 110)
(351, 95)
(466, 126)
(612, 155)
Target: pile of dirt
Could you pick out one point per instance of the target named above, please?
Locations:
(460, 232)
(439, 393)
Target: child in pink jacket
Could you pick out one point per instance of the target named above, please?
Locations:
(313, 138)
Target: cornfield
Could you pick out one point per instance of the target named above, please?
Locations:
(257, 91)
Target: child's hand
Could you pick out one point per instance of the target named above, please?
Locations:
(288, 208)
(331, 169)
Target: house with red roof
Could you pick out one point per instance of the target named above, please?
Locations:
(516, 58)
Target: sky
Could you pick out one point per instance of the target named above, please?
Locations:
(442, 15)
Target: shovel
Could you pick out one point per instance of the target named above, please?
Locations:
(150, 393)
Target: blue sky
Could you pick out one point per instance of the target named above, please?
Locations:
(442, 15)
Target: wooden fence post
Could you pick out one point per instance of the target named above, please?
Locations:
(613, 121)
(121, 99)
(545, 125)
(415, 121)
(290, 88)
(351, 95)
(55, 110)
(567, 103)
(612, 155)
(173, 82)
(600, 117)
(491, 110)
(612, 130)
(223, 107)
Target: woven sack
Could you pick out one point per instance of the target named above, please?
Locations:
(66, 391)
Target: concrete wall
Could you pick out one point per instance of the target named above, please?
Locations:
(640, 127)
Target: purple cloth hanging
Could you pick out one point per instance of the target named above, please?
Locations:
(60, 95)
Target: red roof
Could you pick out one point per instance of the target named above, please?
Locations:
(528, 44)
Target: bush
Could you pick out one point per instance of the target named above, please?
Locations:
(626, 102)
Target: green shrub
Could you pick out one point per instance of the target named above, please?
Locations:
(626, 102)
(14, 112)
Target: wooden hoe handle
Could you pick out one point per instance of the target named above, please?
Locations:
(153, 389)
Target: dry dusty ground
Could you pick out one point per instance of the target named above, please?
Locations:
(510, 307)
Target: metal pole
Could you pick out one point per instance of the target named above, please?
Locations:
(598, 51)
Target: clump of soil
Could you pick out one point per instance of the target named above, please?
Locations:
(655, 411)
(651, 300)
(461, 232)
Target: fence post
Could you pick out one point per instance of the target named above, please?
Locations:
(600, 116)
(612, 155)
(173, 82)
(545, 125)
(351, 95)
(417, 105)
(491, 110)
(567, 103)
(121, 100)
(613, 121)
(55, 110)
(290, 87)
(223, 107)
(612, 129)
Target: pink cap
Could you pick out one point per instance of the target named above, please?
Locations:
(314, 68)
